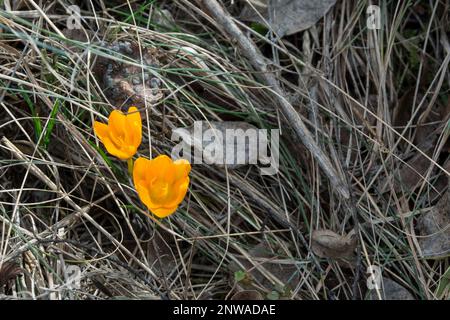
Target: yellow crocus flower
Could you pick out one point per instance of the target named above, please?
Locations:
(161, 183)
(123, 133)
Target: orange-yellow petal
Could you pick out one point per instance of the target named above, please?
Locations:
(179, 190)
(144, 195)
(161, 183)
(103, 133)
(101, 130)
(134, 126)
(163, 212)
(120, 136)
(182, 168)
(164, 167)
(142, 175)
(145, 170)
(112, 148)
(117, 124)
(162, 161)
(140, 171)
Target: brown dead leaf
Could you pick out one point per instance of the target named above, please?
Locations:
(391, 290)
(328, 244)
(412, 173)
(434, 229)
(287, 16)
(218, 130)
(423, 131)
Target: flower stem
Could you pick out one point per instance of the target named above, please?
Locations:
(130, 166)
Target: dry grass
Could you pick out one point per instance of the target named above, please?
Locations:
(376, 102)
